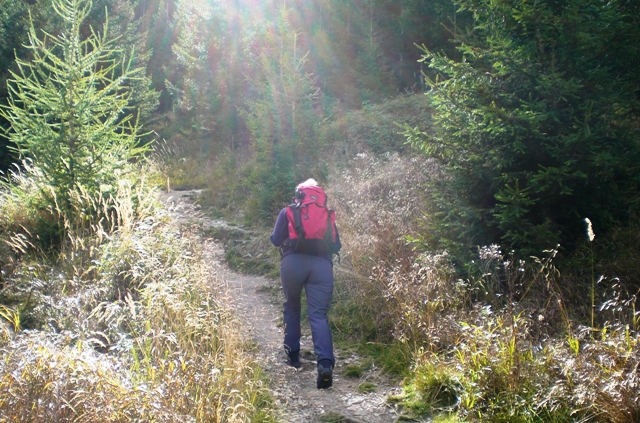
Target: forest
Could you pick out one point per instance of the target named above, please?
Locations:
(482, 156)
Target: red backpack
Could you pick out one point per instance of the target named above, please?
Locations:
(312, 226)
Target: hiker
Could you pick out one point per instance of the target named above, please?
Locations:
(307, 263)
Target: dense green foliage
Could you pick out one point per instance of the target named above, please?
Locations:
(66, 107)
(13, 31)
(218, 95)
(126, 32)
(249, 86)
(537, 124)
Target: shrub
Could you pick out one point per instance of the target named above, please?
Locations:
(378, 202)
(525, 360)
(419, 300)
(27, 219)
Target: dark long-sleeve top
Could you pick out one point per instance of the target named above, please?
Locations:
(281, 233)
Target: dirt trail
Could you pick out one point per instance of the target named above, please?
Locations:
(296, 397)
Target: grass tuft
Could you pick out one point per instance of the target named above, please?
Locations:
(367, 387)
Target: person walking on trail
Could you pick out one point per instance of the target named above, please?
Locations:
(307, 237)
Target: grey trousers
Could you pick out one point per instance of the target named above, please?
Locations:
(315, 275)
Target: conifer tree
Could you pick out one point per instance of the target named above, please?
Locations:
(68, 106)
(197, 92)
(158, 16)
(132, 37)
(282, 118)
(537, 125)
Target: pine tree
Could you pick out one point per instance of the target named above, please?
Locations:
(69, 112)
(198, 91)
(282, 117)
(537, 125)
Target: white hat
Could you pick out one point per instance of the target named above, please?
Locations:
(308, 183)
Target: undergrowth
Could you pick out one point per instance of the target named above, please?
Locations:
(526, 360)
(503, 342)
(377, 201)
(127, 320)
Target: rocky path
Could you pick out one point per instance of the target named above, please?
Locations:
(256, 302)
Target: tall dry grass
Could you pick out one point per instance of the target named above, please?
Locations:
(525, 360)
(497, 344)
(378, 201)
(126, 321)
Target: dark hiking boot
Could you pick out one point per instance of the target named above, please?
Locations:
(293, 359)
(325, 376)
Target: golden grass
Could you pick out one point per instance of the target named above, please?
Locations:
(128, 323)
